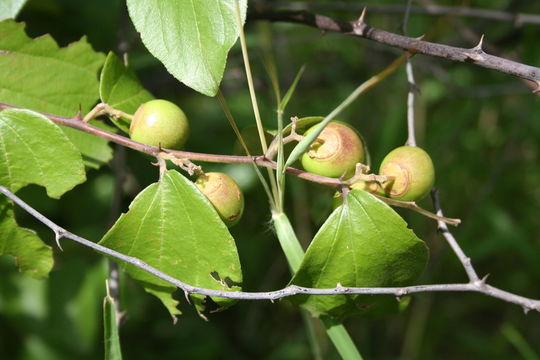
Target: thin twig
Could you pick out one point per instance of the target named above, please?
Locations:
(443, 229)
(411, 138)
(359, 28)
(412, 205)
(478, 286)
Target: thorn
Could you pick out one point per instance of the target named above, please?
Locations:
(186, 294)
(362, 16)
(58, 235)
(478, 48)
(474, 56)
(526, 309)
(482, 281)
(79, 113)
(398, 298)
(421, 37)
(537, 90)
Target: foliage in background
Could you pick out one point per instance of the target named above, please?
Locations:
(480, 127)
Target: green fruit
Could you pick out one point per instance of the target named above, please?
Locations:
(413, 171)
(336, 151)
(160, 123)
(224, 194)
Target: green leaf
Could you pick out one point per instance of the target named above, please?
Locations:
(34, 258)
(364, 243)
(171, 226)
(113, 350)
(10, 8)
(35, 151)
(36, 74)
(190, 37)
(120, 88)
(95, 151)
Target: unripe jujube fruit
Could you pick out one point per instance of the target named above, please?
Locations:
(224, 194)
(160, 123)
(413, 171)
(337, 154)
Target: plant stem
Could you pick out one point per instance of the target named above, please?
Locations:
(341, 339)
(288, 241)
(255, 106)
(294, 254)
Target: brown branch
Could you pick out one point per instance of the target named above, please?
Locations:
(475, 55)
(76, 122)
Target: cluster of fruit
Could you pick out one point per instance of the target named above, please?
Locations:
(336, 151)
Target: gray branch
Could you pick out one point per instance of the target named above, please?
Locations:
(478, 286)
(476, 55)
(451, 240)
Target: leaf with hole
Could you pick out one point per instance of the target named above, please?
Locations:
(172, 226)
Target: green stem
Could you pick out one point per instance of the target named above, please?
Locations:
(312, 334)
(294, 254)
(341, 339)
(288, 241)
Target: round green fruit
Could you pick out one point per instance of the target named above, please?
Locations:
(160, 123)
(224, 193)
(413, 172)
(336, 151)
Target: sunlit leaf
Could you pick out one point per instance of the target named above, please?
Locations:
(34, 258)
(37, 74)
(171, 226)
(190, 37)
(363, 243)
(34, 150)
(10, 8)
(120, 88)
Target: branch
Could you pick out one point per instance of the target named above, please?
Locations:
(443, 229)
(475, 55)
(77, 123)
(517, 19)
(478, 286)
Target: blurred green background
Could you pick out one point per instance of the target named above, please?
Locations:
(482, 129)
